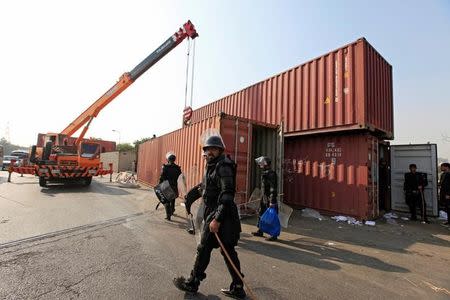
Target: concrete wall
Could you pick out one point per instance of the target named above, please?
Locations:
(122, 161)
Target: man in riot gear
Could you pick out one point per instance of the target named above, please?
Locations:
(413, 187)
(444, 191)
(221, 217)
(170, 172)
(269, 191)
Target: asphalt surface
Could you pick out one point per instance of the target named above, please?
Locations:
(105, 242)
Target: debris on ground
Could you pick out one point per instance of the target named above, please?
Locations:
(127, 180)
(390, 215)
(405, 219)
(391, 218)
(370, 223)
(311, 213)
(442, 215)
(348, 220)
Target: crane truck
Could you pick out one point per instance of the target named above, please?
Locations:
(65, 159)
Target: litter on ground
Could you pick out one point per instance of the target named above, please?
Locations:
(390, 215)
(370, 223)
(127, 180)
(311, 213)
(349, 220)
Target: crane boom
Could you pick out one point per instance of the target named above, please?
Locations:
(187, 31)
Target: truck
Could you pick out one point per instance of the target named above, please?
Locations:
(63, 158)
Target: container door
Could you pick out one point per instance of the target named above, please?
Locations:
(425, 157)
(372, 168)
(280, 161)
(264, 142)
(384, 174)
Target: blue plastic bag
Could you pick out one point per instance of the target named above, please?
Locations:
(269, 222)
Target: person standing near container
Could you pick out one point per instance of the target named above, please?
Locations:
(269, 190)
(413, 187)
(445, 189)
(221, 217)
(170, 172)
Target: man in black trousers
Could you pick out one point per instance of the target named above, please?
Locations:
(413, 187)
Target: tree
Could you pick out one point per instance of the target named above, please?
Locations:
(8, 147)
(124, 147)
(141, 141)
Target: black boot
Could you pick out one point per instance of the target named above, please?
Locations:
(187, 285)
(235, 291)
(258, 233)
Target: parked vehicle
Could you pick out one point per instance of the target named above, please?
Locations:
(1, 156)
(7, 161)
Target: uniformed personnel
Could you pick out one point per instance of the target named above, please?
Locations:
(269, 188)
(413, 187)
(221, 217)
(170, 172)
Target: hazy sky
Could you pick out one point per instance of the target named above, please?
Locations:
(58, 57)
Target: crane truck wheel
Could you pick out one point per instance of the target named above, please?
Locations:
(47, 151)
(87, 181)
(42, 182)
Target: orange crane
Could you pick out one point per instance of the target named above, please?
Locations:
(59, 161)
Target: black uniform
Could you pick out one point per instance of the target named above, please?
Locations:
(413, 195)
(170, 172)
(445, 191)
(218, 189)
(269, 188)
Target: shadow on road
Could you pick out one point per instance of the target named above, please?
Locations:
(51, 190)
(394, 238)
(200, 296)
(316, 255)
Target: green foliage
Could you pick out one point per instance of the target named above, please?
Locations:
(124, 147)
(8, 147)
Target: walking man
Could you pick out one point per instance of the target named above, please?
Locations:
(445, 189)
(170, 172)
(269, 190)
(221, 217)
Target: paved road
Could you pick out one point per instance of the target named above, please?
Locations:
(27, 209)
(123, 249)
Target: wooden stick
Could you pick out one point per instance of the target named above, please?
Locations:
(249, 290)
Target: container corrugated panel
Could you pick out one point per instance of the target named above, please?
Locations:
(333, 173)
(349, 88)
(186, 144)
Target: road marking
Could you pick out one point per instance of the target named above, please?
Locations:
(13, 201)
(39, 237)
(437, 289)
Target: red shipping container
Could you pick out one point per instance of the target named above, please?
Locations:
(346, 89)
(238, 136)
(333, 173)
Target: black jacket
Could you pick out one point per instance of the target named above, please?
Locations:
(171, 172)
(445, 184)
(412, 182)
(269, 185)
(218, 190)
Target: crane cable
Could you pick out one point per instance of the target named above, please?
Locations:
(192, 74)
(187, 73)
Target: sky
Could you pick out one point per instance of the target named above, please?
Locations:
(58, 57)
